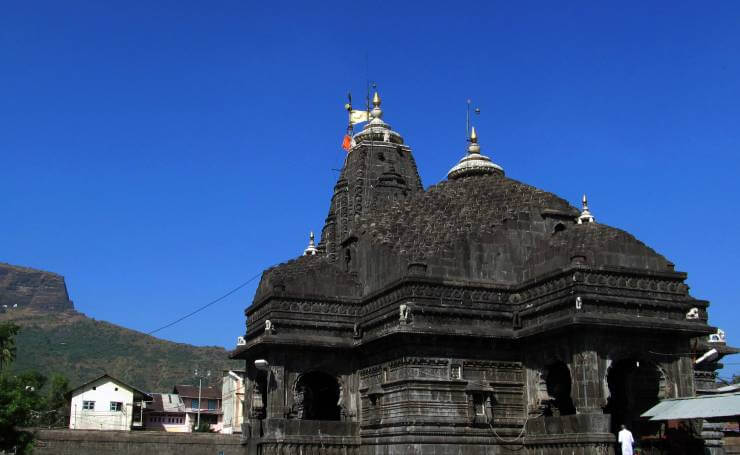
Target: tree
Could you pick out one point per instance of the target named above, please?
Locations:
(8, 331)
(22, 403)
(19, 401)
(55, 406)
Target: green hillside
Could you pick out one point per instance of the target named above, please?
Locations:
(82, 348)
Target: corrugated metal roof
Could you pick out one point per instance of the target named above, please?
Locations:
(704, 407)
(166, 402)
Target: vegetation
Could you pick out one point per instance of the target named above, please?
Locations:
(26, 400)
(202, 428)
(7, 343)
(82, 348)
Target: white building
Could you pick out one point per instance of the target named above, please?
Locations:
(232, 396)
(106, 403)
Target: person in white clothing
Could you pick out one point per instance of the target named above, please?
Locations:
(625, 440)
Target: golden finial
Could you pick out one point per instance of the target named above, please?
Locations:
(376, 99)
(473, 136)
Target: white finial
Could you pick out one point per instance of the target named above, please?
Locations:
(311, 249)
(585, 216)
(473, 163)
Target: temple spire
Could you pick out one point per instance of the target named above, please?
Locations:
(474, 163)
(376, 129)
(585, 216)
(311, 248)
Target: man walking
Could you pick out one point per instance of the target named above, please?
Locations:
(625, 439)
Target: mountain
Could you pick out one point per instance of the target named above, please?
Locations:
(23, 287)
(56, 338)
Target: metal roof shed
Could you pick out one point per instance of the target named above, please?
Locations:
(701, 407)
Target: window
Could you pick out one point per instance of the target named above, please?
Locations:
(116, 405)
(195, 403)
(89, 405)
(212, 404)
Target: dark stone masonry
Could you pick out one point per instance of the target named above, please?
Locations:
(479, 316)
(92, 442)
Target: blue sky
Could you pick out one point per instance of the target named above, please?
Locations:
(157, 154)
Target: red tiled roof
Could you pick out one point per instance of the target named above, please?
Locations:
(191, 391)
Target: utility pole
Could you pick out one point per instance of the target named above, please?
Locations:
(200, 388)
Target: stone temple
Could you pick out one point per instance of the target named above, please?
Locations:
(479, 316)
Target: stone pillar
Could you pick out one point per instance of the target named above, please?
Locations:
(276, 392)
(587, 391)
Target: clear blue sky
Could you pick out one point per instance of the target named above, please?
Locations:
(157, 154)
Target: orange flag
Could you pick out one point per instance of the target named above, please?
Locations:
(347, 142)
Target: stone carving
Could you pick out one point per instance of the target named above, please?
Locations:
(404, 314)
(693, 314)
(302, 401)
(718, 337)
(579, 303)
(269, 327)
(257, 410)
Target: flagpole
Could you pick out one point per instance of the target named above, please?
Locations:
(467, 123)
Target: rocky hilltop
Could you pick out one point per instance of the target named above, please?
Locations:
(54, 338)
(26, 288)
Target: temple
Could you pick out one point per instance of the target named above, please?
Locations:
(479, 316)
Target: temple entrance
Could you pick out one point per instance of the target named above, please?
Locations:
(558, 383)
(634, 387)
(316, 397)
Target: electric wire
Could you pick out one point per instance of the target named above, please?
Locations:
(181, 318)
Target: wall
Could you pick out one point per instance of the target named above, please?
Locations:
(169, 422)
(102, 418)
(90, 442)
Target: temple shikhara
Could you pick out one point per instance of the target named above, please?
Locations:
(479, 316)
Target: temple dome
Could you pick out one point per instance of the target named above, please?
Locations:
(598, 245)
(474, 163)
(493, 228)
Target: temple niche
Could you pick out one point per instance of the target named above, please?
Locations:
(479, 316)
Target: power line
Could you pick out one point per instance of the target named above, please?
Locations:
(212, 302)
(182, 318)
